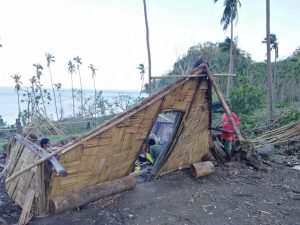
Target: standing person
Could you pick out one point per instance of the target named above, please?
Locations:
(228, 138)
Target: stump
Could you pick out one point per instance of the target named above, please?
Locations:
(201, 169)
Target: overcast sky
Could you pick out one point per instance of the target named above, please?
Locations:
(111, 35)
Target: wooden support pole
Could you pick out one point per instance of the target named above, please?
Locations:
(223, 102)
(41, 198)
(26, 215)
(72, 200)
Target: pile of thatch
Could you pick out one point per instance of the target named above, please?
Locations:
(279, 136)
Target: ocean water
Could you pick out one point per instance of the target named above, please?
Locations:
(9, 101)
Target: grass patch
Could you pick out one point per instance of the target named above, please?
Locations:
(1, 145)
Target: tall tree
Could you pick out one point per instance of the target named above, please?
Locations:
(93, 70)
(18, 83)
(58, 87)
(39, 85)
(273, 45)
(71, 69)
(269, 66)
(148, 45)
(77, 59)
(141, 68)
(230, 13)
(50, 59)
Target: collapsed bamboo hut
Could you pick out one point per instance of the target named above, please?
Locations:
(100, 163)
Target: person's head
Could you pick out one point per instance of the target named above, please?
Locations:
(45, 143)
(151, 142)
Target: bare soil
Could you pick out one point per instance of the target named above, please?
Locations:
(234, 194)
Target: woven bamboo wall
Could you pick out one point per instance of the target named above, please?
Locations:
(194, 139)
(20, 157)
(111, 154)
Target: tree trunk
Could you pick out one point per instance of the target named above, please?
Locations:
(142, 85)
(95, 97)
(148, 46)
(269, 66)
(61, 108)
(43, 101)
(73, 95)
(229, 80)
(201, 169)
(275, 80)
(90, 194)
(19, 107)
(53, 93)
(81, 93)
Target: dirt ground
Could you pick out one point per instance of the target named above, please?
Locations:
(234, 194)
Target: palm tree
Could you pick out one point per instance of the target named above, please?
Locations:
(230, 13)
(50, 59)
(38, 84)
(269, 66)
(58, 87)
(77, 59)
(141, 68)
(71, 69)
(273, 45)
(148, 45)
(93, 69)
(18, 83)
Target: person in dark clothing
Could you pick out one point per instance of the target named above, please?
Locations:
(45, 143)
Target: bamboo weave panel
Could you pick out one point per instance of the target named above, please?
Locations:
(193, 143)
(110, 154)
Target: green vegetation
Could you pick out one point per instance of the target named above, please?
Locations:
(249, 89)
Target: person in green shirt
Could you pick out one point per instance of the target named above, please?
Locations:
(155, 149)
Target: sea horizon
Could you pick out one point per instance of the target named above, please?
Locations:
(9, 102)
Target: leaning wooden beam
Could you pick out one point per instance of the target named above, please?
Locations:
(60, 170)
(186, 76)
(72, 200)
(222, 130)
(223, 102)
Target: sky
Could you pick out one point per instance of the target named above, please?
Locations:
(111, 35)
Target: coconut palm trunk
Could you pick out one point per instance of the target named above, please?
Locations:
(148, 46)
(81, 94)
(50, 59)
(229, 79)
(54, 95)
(269, 66)
(73, 102)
